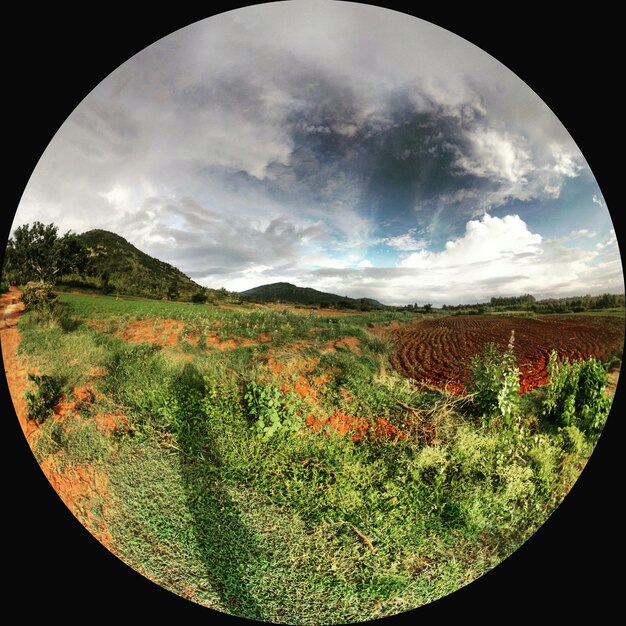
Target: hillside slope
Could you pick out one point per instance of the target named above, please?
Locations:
(116, 266)
(286, 292)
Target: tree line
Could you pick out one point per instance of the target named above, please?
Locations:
(37, 253)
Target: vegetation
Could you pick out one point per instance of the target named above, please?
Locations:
(41, 401)
(528, 304)
(286, 292)
(232, 479)
(37, 253)
(575, 395)
(495, 383)
(116, 266)
(267, 462)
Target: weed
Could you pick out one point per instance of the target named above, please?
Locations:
(41, 401)
(575, 394)
(495, 383)
(272, 412)
(275, 522)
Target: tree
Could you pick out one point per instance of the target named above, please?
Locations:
(428, 308)
(199, 297)
(172, 291)
(37, 253)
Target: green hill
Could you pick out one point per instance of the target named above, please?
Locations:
(116, 266)
(286, 292)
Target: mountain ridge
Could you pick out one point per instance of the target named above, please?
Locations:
(288, 292)
(114, 265)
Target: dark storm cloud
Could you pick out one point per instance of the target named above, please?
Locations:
(291, 140)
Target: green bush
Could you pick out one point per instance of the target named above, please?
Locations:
(495, 383)
(199, 297)
(575, 395)
(39, 403)
(38, 296)
(270, 410)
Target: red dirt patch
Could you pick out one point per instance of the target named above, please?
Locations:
(164, 332)
(352, 343)
(16, 374)
(79, 398)
(359, 426)
(439, 351)
(110, 422)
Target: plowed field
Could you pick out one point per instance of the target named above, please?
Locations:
(439, 351)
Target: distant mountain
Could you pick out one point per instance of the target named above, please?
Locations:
(116, 266)
(286, 292)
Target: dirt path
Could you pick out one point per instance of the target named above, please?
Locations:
(11, 308)
(78, 487)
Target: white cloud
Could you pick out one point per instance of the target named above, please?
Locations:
(582, 233)
(405, 242)
(491, 240)
(610, 242)
(597, 200)
(496, 155)
(190, 151)
(495, 256)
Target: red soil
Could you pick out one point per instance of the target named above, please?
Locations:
(80, 488)
(439, 351)
(17, 377)
(164, 332)
(358, 426)
(352, 343)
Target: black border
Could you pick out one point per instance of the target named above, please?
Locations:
(568, 570)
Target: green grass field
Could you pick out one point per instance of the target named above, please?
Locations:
(219, 490)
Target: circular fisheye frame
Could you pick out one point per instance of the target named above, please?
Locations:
(311, 313)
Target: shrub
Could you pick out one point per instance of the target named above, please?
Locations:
(576, 395)
(39, 403)
(266, 403)
(199, 297)
(495, 383)
(38, 295)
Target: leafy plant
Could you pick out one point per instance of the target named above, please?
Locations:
(575, 394)
(495, 383)
(197, 298)
(38, 295)
(265, 402)
(39, 403)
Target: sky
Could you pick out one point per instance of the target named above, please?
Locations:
(339, 146)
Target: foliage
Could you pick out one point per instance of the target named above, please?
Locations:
(297, 526)
(528, 303)
(271, 411)
(286, 292)
(199, 297)
(121, 268)
(37, 253)
(495, 383)
(173, 291)
(38, 295)
(575, 395)
(41, 401)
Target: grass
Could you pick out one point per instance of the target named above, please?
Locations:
(304, 527)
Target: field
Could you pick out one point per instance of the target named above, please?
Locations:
(271, 463)
(440, 350)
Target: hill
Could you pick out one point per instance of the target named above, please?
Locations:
(116, 266)
(286, 292)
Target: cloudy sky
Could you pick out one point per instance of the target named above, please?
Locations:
(334, 145)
